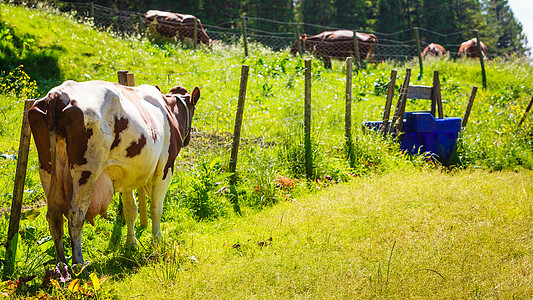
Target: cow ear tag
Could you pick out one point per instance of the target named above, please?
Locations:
(195, 95)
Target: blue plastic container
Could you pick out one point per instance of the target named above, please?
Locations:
(423, 133)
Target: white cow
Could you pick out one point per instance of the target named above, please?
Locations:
(97, 137)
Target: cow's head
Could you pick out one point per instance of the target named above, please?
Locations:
(294, 48)
(182, 105)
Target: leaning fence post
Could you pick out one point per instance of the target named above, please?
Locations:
(307, 120)
(469, 107)
(417, 37)
(356, 49)
(483, 75)
(195, 34)
(244, 35)
(400, 106)
(237, 137)
(390, 94)
(526, 112)
(18, 191)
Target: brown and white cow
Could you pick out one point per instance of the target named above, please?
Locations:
(169, 24)
(434, 50)
(94, 138)
(470, 49)
(337, 44)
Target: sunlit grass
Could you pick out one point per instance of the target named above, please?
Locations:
(404, 234)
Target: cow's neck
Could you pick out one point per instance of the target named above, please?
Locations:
(187, 121)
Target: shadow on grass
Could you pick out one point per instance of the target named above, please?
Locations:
(41, 64)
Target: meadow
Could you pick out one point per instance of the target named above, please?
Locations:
(382, 225)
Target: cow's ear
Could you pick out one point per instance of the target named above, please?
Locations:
(195, 96)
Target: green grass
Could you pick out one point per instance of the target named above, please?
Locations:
(460, 233)
(404, 234)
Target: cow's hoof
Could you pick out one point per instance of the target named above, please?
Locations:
(131, 241)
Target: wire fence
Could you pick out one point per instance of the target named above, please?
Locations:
(278, 36)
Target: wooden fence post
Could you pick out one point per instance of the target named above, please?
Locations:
(436, 96)
(126, 78)
(130, 79)
(356, 49)
(299, 43)
(18, 192)
(307, 121)
(244, 35)
(390, 94)
(400, 106)
(469, 107)
(417, 37)
(91, 10)
(237, 137)
(526, 112)
(348, 113)
(195, 34)
(483, 75)
(122, 77)
(140, 25)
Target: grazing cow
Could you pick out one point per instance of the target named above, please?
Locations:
(470, 49)
(97, 137)
(434, 50)
(337, 44)
(170, 24)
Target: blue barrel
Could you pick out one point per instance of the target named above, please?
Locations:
(425, 134)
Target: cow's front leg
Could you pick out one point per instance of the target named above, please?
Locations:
(76, 218)
(55, 223)
(130, 213)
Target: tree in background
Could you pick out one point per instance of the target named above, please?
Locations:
(317, 12)
(504, 28)
(350, 14)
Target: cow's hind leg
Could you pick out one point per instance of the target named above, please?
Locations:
(159, 191)
(130, 213)
(55, 223)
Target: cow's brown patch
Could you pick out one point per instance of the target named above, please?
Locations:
(120, 125)
(136, 147)
(39, 129)
(84, 177)
(71, 122)
(89, 133)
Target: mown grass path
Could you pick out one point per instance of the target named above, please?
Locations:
(405, 234)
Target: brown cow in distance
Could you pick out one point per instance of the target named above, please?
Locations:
(170, 25)
(337, 44)
(469, 48)
(434, 50)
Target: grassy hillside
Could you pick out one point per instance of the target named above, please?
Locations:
(40, 49)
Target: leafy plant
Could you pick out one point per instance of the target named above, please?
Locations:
(200, 196)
